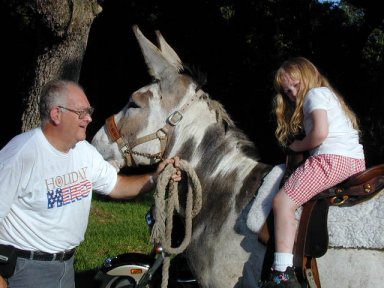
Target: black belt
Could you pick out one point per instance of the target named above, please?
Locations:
(43, 256)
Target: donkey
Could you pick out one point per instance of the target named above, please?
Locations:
(174, 116)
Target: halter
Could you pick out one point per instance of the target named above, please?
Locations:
(162, 134)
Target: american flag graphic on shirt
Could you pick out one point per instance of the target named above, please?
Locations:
(69, 194)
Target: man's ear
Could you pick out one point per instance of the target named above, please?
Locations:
(55, 115)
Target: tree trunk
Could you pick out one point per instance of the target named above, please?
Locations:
(62, 28)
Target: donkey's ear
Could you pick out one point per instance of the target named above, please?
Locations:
(168, 52)
(158, 65)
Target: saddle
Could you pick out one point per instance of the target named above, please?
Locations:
(312, 237)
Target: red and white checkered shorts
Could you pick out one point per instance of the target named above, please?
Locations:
(318, 173)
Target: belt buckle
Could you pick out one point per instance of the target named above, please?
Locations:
(66, 253)
(62, 255)
(58, 256)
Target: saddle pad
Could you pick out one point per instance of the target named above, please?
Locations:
(358, 226)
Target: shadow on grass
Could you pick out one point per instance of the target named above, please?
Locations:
(86, 279)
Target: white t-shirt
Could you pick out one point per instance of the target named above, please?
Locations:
(342, 138)
(46, 194)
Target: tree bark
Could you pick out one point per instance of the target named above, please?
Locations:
(62, 28)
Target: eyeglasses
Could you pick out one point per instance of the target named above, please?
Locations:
(80, 113)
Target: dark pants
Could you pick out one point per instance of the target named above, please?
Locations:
(43, 274)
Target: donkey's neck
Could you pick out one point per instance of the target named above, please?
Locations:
(217, 153)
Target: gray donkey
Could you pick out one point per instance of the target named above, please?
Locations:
(174, 116)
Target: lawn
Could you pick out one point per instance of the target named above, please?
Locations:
(114, 227)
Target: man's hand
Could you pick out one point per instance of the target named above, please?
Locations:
(175, 162)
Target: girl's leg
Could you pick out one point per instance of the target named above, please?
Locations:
(285, 222)
(283, 274)
(285, 230)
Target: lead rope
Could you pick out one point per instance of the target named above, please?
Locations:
(166, 202)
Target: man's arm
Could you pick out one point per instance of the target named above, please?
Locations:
(128, 187)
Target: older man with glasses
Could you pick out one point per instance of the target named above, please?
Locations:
(47, 176)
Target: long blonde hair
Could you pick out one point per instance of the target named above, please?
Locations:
(289, 115)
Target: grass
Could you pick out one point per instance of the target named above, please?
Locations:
(114, 227)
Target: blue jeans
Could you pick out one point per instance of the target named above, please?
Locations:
(44, 274)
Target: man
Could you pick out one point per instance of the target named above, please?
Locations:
(47, 176)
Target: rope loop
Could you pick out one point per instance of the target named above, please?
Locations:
(167, 202)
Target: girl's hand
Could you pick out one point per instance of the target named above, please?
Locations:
(3, 283)
(295, 146)
(316, 136)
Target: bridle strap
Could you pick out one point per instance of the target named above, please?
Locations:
(112, 128)
(116, 137)
(161, 134)
(171, 121)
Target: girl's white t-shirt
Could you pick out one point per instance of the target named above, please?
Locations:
(342, 138)
(46, 194)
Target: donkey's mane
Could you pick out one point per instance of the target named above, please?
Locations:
(198, 76)
(221, 114)
(223, 118)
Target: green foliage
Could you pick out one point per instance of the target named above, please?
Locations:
(355, 16)
(373, 52)
(114, 228)
(227, 12)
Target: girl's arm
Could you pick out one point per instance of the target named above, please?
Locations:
(316, 136)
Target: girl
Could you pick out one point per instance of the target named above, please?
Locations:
(306, 100)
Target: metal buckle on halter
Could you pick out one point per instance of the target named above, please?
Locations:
(125, 149)
(174, 118)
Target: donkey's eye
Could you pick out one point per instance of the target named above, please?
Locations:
(155, 81)
(132, 105)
